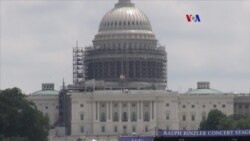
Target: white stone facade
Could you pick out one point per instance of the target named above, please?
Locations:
(48, 104)
(107, 114)
(112, 113)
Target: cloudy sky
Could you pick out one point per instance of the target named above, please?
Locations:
(37, 39)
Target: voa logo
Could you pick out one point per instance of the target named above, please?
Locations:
(193, 18)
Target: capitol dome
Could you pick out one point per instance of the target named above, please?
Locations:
(125, 53)
(124, 21)
(125, 16)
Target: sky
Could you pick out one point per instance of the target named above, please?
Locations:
(37, 37)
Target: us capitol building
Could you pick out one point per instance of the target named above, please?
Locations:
(120, 87)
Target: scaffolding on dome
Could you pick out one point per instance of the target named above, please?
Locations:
(126, 65)
(78, 65)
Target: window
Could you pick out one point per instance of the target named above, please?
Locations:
(204, 106)
(103, 129)
(82, 129)
(133, 129)
(124, 117)
(239, 106)
(183, 106)
(124, 129)
(246, 106)
(184, 128)
(223, 105)
(184, 117)
(115, 118)
(46, 107)
(203, 116)
(103, 105)
(146, 128)
(133, 116)
(193, 106)
(214, 105)
(81, 105)
(133, 105)
(167, 104)
(115, 129)
(82, 117)
(167, 116)
(115, 105)
(103, 117)
(124, 105)
(193, 117)
(146, 116)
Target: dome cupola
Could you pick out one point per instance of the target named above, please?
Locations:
(125, 53)
(125, 16)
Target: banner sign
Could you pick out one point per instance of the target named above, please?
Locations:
(136, 138)
(202, 133)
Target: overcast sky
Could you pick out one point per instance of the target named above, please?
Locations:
(37, 39)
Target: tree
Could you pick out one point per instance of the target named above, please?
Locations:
(212, 121)
(20, 120)
(235, 122)
(217, 120)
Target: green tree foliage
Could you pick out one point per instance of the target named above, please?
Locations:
(212, 121)
(19, 119)
(235, 122)
(216, 120)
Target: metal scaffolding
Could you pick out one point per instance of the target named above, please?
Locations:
(134, 65)
(78, 65)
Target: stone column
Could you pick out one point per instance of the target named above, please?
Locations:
(153, 110)
(120, 111)
(150, 111)
(111, 111)
(94, 110)
(129, 106)
(142, 110)
(138, 111)
(107, 111)
(98, 111)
